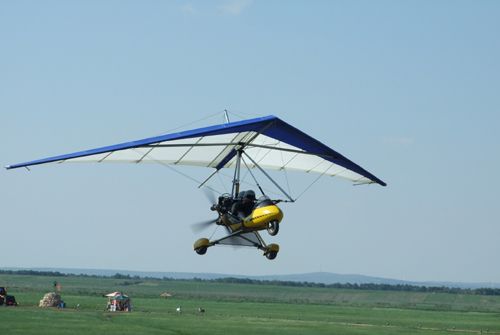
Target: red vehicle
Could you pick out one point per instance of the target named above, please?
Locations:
(8, 300)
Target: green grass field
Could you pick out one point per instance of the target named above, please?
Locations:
(241, 309)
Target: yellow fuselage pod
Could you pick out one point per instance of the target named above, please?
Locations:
(261, 216)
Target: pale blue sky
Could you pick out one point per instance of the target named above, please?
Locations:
(409, 90)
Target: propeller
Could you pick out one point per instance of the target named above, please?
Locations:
(212, 199)
(210, 195)
(199, 226)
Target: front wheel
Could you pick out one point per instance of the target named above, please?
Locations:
(273, 228)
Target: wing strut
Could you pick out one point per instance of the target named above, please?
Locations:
(237, 170)
(209, 177)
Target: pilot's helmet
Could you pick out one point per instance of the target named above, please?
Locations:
(250, 195)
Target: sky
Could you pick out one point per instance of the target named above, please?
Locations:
(408, 90)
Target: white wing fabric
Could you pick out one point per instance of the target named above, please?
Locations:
(268, 141)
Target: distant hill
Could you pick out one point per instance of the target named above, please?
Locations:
(313, 277)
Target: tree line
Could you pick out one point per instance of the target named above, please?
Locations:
(232, 280)
(363, 286)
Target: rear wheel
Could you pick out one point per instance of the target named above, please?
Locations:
(271, 255)
(201, 250)
(201, 246)
(273, 228)
(271, 251)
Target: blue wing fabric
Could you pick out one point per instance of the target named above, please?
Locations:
(270, 141)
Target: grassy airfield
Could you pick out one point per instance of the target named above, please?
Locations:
(241, 309)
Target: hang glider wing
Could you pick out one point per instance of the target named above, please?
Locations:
(268, 141)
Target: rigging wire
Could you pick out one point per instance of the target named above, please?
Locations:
(222, 182)
(193, 122)
(213, 115)
(213, 233)
(255, 179)
(182, 173)
(250, 184)
(245, 115)
(285, 172)
(318, 178)
(308, 187)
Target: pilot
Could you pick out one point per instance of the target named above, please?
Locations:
(244, 207)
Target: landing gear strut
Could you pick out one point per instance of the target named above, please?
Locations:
(270, 251)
